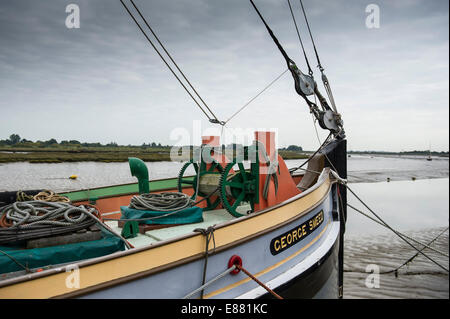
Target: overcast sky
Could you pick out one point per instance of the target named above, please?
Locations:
(103, 82)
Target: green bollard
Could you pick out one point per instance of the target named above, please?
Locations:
(139, 170)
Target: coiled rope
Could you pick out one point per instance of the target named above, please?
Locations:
(161, 202)
(35, 219)
(49, 196)
(45, 195)
(35, 213)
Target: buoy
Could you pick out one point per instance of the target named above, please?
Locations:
(388, 179)
(73, 176)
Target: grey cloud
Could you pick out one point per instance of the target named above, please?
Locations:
(104, 76)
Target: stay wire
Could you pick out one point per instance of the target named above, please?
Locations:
(312, 38)
(256, 96)
(325, 81)
(300, 39)
(289, 62)
(171, 59)
(167, 64)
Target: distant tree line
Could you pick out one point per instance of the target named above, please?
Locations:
(16, 140)
(292, 148)
(415, 152)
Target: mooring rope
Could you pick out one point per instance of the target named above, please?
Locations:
(226, 272)
(414, 256)
(406, 236)
(209, 235)
(273, 293)
(344, 182)
(202, 287)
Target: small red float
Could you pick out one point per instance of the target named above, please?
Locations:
(235, 260)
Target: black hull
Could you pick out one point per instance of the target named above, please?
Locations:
(319, 281)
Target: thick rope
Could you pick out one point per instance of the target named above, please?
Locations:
(273, 293)
(209, 235)
(202, 287)
(226, 272)
(164, 215)
(161, 202)
(21, 196)
(26, 215)
(50, 196)
(36, 219)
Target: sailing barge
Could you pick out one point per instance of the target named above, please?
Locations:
(243, 226)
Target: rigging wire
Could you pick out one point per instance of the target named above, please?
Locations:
(254, 98)
(171, 59)
(312, 39)
(212, 120)
(300, 39)
(289, 62)
(325, 81)
(291, 66)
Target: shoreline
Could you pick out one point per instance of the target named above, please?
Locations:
(37, 156)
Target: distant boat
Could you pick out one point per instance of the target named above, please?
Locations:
(429, 154)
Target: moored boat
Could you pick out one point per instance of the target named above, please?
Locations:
(292, 246)
(243, 226)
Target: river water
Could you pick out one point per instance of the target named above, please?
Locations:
(410, 193)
